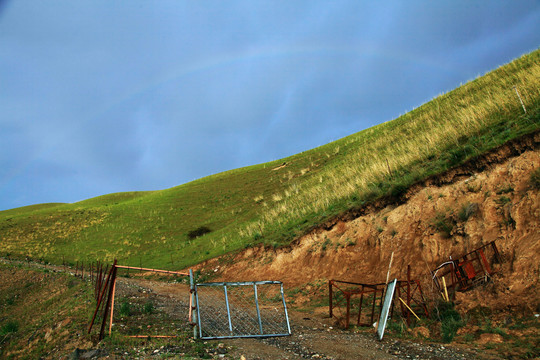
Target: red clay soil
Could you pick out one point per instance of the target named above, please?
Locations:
(504, 207)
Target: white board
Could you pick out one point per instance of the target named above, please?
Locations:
(390, 289)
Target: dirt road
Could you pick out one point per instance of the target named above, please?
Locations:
(313, 335)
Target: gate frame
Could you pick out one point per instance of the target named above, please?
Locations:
(110, 287)
(244, 283)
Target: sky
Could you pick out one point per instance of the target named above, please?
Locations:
(108, 96)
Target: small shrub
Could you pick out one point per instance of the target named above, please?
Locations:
(444, 224)
(10, 301)
(325, 244)
(450, 320)
(474, 188)
(125, 308)
(397, 190)
(396, 328)
(148, 308)
(505, 189)
(9, 328)
(467, 211)
(200, 231)
(503, 200)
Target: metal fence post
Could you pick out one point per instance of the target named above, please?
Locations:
(194, 316)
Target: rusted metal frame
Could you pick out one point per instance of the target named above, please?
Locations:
(105, 283)
(373, 291)
(360, 306)
(153, 270)
(338, 303)
(344, 292)
(99, 301)
(373, 306)
(364, 290)
(112, 289)
(355, 283)
(484, 262)
(348, 297)
(422, 302)
(492, 243)
(476, 257)
(337, 287)
(331, 284)
(109, 299)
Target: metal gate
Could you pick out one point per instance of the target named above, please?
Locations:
(241, 309)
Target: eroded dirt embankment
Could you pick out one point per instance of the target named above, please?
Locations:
(485, 200)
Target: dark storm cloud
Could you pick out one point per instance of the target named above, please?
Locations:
(99, 96)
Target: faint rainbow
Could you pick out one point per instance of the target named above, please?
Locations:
(262, 53)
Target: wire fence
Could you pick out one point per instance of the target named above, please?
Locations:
(243, 309)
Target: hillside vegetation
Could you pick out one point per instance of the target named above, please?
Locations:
(276, 202)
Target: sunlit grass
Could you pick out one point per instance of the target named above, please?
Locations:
(276, 202)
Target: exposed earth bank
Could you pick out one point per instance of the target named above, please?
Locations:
(492, 199)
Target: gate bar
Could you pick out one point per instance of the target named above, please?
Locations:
(285, 309)
(258, 311)
(153, 270)
(228, 309)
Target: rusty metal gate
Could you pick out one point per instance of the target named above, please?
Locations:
(241, 309)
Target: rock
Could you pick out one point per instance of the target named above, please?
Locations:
(221, 349)
(75, 355)
(92, 354)
(490, 338)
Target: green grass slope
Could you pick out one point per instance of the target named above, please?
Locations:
(274, 203)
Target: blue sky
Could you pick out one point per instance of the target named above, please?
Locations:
(107, 96)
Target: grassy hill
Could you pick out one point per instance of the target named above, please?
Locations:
(276, 202)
